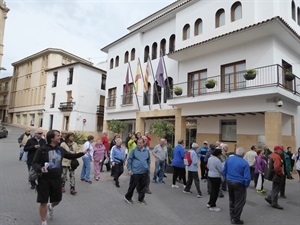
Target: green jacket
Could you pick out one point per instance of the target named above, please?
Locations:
(287, 163)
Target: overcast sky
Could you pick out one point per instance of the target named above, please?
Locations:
(81, 27)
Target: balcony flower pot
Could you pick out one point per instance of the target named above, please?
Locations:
(178, 91)
(289, 76)
(210, 83)
(250, 74)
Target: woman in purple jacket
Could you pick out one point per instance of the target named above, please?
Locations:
(260, 165)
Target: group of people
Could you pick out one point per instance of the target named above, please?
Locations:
(51, 156)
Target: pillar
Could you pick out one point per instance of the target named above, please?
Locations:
(140, 124)
(180, 127)
(273, 129)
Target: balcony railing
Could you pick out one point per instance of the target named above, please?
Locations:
(268, 76)
(3, 102)
(111, 101)
(3, 89)
(100, 110)
(66, 106)
(127, 99)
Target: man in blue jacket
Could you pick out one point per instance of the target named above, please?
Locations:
(237, 174)
(138, 166)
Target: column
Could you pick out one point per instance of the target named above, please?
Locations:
(273, 129)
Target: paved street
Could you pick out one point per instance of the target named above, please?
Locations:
(102, 203)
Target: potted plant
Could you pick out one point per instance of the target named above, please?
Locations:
(177, 91)
(289, 76)
(250, 74)
(210, 83)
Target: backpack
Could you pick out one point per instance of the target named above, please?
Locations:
(270, 172)
(187, 158)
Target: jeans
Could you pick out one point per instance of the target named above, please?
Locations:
(138, 181)
(159, 170)
(86, 168)
(237, 199)
(21, 152)
(193, 175)
(215, 187)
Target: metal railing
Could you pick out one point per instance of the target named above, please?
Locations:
(100, 110)
(127, 99)
(111, 101)
(66, 106)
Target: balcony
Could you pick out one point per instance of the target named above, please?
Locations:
(4, 89)
(111, 101)
(127, 99)
(266, 77)
(3, 103)
(100, 110)
(66, 106)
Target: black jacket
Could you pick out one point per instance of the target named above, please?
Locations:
(29, 147)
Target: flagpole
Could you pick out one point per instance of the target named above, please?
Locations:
(143, 79)
(133, 83)
(156, 90)
(165, 68)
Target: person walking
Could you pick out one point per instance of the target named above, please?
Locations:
(250, 158)
(260, 166)
(160, 153)
(296, 158)
(193, 172)
(99, 154)
(117, 160)
(278, 178)
(87, 159)
(48, 161)
(178, 164)
(22, 142)
(214, 165)
(201, 154)
(236, 171)
(138, 166)
(31, 146)
(105, 141)
(147, 188)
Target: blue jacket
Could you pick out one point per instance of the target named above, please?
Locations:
(202, 151)
(237, 169)
(139, 161)
(178, 156)
(117, 154)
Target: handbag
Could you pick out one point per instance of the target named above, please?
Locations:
(106, 160)
(33, 175)
(74, 164)
(259, 182)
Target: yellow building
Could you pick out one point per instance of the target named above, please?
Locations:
(4, 96)
(3, 15)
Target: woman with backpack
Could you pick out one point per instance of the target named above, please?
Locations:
(296, 157)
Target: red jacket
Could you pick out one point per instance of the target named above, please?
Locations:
(278, 163)
(105, 141)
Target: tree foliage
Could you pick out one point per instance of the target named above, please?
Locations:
(116, 126)
(162, 128)
(80, 137)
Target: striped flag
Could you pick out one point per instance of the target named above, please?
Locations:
(146, 78)
(137, 77)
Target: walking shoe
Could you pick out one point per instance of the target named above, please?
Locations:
(277, 207)
(117, 184)
(97, 178)
(221, 196)
(148, 192)
(161, 182)
(187, 192)
(263, 191)
(128, 201)
(268, 200)
(237, 222)
(154, 181)
(208, 205)
(44, 222)
(143, 202)
(82, 179)
(63, 190)
(73, 191)
(215, 209)
(282, 196)
(50, 211)
(88, 181)
(165, 176)
(32, 186)
(175, 186)
(184, 186)
(199, 196)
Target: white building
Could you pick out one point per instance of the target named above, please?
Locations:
(200, 40)
(75, 96)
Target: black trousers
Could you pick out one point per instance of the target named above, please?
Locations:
(138, 181)
(282, 189)
(179, 172)
(117, 171)
(203, 168)
(193, 176)
(214, 191)
(237, 198)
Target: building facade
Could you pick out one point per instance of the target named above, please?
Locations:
(3, 15)
(28, 85)
(4, 98)
(75, 95)
(196, 41)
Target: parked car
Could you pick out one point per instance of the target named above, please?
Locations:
(3, 131)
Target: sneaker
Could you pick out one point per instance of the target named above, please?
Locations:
(259, 192)
(143, 202)
(73, 191)
(237, 222)
(88, 181)
(187, 192)
(215, 209)
(161, 182)
(50, 211)
(175, 186)
(263, 191)
(97, 178)
(268, 200)
(208, 205)
(128, 201)
(44, 222)
(148, 192)
(154, 181)
(184, 186)
(277, 207)
(82, 179)
(199, 196)
(117, 184)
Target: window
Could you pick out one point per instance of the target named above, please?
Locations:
(126, 56)
(147, 95)
(232, 76)
(70, 78)
(220, 18)
(52, 101)
(111, 100)
(117, 61)
(18, 119)
(196, 83)
(172, 43)
(228, 130)
(298, 15)
(51, 122)
(162, 47)
(293, 8)
(111, 63)
(168, 91)
(156, 93)
(132, 56)
(198, 27)
(146, 53)
(127, 98)
(25, 119)
(236, 11)
(186, 32)
(54, 82)
(154, 50)
(32, 119)
(103, 82)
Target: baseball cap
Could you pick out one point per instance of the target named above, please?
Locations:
(278, 147)
(205, 142)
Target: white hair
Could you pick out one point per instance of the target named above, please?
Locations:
(118, 141)
(194, 145)
(240, 151)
